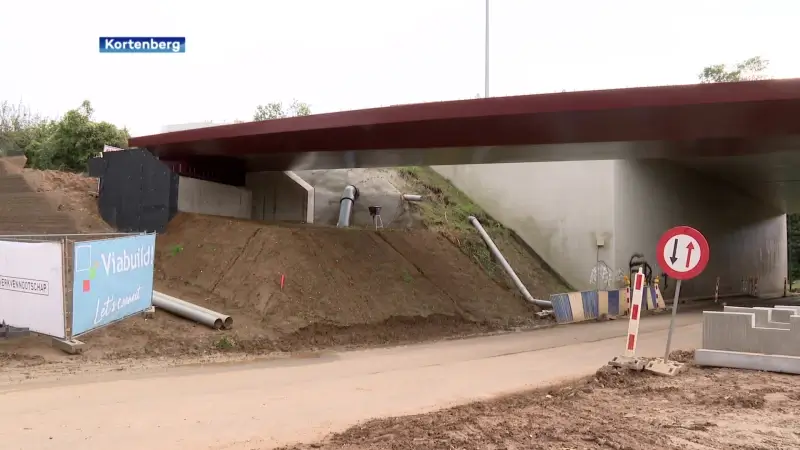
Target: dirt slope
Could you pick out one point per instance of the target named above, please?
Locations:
(342, 287)
(23, 210)
(702, 409)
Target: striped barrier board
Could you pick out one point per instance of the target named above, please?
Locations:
(588, 305)
(653, 300)
(636, 306)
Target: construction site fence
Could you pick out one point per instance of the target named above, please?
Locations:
(82, 282)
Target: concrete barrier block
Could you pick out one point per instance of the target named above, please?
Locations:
(749, 361)
(71, 346)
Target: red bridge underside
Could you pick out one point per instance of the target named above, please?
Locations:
(674, 122)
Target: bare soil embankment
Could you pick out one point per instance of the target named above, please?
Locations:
(615, 409)
(343, 288)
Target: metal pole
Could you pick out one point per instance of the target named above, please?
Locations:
(486, 60)
(672, 321)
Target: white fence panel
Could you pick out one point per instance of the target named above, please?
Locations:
(32, 286)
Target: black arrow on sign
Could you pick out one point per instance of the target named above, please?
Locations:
(673, 258)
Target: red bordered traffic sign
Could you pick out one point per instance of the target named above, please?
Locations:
(682, 253)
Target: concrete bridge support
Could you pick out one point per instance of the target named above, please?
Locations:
(576, 213)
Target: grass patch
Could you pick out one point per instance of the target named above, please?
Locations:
(225, 343)
(446, 210)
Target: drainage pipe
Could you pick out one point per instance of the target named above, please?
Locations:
(191, 311)
(349, 196)
(412, 197)
(227, 321)
(499, 256)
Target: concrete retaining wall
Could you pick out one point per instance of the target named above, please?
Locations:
(280, 197)
(561, 208)
(206, 197)
(735, 330)
(558, 208)
(376, 187)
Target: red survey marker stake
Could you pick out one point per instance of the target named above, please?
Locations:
(683, 254)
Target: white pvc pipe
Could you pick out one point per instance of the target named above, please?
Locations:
(499, 256)
(412, 197)
(349, 197)
(191, 311)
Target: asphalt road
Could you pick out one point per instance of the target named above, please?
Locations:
(271, 403)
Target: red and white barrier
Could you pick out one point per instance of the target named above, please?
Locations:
(636, 310)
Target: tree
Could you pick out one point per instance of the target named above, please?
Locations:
(63, 144)
(747, 70)
(275, 110)
(18, 127)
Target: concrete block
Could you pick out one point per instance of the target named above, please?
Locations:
(149, 313)
(750, 361)
(633, 363)
(72, 346)
(669, 368)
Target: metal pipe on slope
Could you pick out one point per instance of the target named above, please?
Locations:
(496, 252)
(191, 311)
(349, 196)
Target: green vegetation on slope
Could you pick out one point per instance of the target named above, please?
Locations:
(446, 210)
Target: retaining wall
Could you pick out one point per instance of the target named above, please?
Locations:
(217, 199)
(753, 330)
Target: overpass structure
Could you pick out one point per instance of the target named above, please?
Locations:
(583, 177)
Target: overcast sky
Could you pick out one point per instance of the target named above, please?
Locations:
(350, 54)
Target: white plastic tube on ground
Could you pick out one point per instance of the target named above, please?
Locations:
(412, 197)
(191, 311)
(499, 256)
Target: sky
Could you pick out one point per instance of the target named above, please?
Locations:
(351, 54)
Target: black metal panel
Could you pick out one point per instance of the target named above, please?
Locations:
(137, 192)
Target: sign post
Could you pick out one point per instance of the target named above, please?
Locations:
(682, 253)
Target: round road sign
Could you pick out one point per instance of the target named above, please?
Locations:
(682, 252)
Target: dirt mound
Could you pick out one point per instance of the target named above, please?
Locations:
(23, 210)
(341, 287)
(698, 409)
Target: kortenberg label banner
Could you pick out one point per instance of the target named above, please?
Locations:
(113, 279)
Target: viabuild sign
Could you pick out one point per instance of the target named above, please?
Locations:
(112, 279)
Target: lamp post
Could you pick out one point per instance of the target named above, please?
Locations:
(486, 58)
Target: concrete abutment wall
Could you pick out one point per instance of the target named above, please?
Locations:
(206, 197)
(561, 209)
(280, 197)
